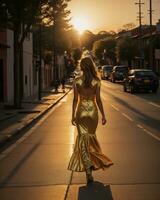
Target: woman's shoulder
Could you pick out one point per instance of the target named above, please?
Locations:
(78, 80)
(96, 81)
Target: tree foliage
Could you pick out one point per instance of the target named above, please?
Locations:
(104, 34)
(126, 50)
(20, 16)
(76, 54)
(87, 39)
(127, 27)
(106, 46)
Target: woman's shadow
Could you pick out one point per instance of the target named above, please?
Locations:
(95, 191)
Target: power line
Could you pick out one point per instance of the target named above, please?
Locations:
(140, 3)
(150, 15)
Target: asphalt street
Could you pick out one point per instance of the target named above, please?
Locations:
(35, 167)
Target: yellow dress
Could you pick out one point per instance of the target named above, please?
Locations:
(87, 152)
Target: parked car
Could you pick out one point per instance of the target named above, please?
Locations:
(106, 71)
(118, 73)
(141, 79)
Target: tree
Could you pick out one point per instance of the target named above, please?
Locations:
(105, 49)
(87, 39)
(104, 34)
(129, 26)
(109, 51)
(73, 38)
(76, 54)
(60, 27)
(126, 50)
(19, 16)
(98, 48)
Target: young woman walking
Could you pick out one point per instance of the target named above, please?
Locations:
(87, 154)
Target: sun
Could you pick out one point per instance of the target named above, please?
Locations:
(80, 24)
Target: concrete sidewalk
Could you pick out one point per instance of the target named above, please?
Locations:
(12, 121)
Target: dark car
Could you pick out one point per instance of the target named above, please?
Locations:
(106, 71)
(118, 73)
(141, 79)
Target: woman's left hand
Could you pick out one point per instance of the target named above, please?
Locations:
(104, 121)
(73, 121)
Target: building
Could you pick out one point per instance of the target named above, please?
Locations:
(30, 75)
(148, 39)
(6, 67)
(29, 85)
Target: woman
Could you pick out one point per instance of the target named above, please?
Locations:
(87, 155)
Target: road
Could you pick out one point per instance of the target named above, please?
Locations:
(35, 167)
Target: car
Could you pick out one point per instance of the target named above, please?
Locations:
(118, 73)
(141, 79)
(106, 71)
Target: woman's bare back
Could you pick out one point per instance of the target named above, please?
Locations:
(86, 92)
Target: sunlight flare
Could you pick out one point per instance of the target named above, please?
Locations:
(81, 24)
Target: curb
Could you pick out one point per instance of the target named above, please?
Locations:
(29, 122)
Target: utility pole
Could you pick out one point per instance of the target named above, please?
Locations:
(140, 12)
(140, 3)
(150, 15)
(151, 45)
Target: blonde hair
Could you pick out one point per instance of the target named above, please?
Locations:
(89, 71)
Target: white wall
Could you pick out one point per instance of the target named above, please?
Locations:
(29, 89)
(10, 69)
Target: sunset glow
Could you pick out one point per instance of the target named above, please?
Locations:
(80, 24)
(101, 15)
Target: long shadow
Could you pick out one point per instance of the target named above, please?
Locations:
(95, 191)
(149, 96)
(18, 166)
(29, 106)
(146, 119)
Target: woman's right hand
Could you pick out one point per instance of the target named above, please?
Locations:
(104, 121)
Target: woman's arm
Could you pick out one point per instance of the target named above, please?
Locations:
(74, 104)
(99, 103)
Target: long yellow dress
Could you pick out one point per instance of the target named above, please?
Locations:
(87, 152)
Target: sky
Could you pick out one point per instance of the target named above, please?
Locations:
(97, 15)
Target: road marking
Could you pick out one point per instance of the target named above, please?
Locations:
(154, 104)
(151, 134)
(139, 126)
(148, 132)
(114, 107)
(136, 97)
(129, 118)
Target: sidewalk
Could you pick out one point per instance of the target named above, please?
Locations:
(12, 121)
